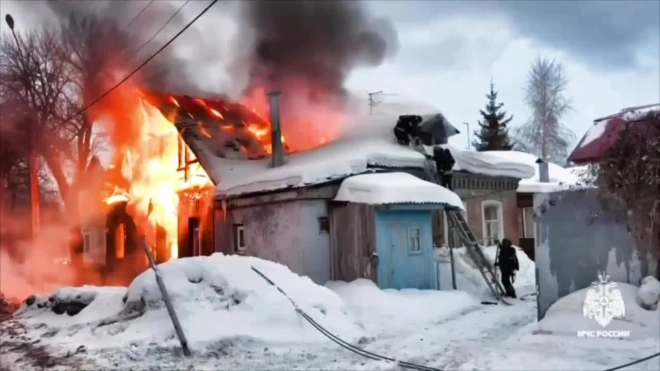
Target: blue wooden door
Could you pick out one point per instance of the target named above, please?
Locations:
(405, 250)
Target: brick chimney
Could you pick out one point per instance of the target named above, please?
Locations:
(276, 130)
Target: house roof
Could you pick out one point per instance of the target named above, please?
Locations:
(604, 132)
(394, 188)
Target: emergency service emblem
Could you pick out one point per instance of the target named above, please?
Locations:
(604, 301)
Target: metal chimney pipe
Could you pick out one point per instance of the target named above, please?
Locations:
(276, 130)
(544, 171)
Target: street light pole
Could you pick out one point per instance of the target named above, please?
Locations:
(468, 129)
(33, 173)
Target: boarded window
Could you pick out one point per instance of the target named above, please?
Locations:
(239, 238)
(414, 241)
(120, 241)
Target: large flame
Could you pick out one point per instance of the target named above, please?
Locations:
(149, 174)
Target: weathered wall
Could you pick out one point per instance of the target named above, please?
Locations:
(352, 239)
(576, 237)
(284, 232)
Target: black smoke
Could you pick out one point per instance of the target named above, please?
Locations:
(280, 44)
(315, 42)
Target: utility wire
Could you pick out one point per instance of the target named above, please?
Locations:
(140, 66)
(135, 53)
(378, 357)
(138, 15)
(339, 341)
(634, 362)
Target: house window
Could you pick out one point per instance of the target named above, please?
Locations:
(324, 224)
(87, 242)
(493, 229)
(414, 241)
(526, 216)
(239, 238)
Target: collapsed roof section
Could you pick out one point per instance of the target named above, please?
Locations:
(225, 129)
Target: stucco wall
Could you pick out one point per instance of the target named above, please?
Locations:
(576, 237)
(287, 233)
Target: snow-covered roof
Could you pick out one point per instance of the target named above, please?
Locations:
(560, 178)
(605, 131)
(333, 161)
(395, 188)
(493, 163)
(342, 158)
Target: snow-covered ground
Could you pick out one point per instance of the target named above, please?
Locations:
(234, 319)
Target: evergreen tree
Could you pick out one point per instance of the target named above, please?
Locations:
(493, 134)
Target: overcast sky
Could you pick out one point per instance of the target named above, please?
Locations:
(449, 51)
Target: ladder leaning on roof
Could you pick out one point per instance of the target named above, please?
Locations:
(476, 253)
(456, 220)
(430, 169)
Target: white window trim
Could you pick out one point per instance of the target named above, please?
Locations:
(419, 240)
(446, 224)
(237, 247)
(500, 218)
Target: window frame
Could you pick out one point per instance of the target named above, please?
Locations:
(500, 220)
(239, 230)
(412, 251)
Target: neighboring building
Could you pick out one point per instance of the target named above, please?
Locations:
(580, 232)
(374, 226)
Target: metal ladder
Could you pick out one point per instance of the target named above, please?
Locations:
(456, 220)
(429, 166)
(486, 268)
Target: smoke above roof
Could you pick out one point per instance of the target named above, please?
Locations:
(282, 44)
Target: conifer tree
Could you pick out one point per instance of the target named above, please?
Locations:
(493, 134)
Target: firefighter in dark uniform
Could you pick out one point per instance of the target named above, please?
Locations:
(508, 263)
(402, 131)
(444, 164)
(447, 169)
(407, 127)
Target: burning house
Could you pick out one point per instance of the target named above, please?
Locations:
(223, 179)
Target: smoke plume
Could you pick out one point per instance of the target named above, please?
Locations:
(318, 42)
(276, 44)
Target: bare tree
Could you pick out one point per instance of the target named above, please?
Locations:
(543, 134)
(33, 85)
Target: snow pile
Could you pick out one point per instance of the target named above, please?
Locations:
(566, 317)
(400, 310)
(469, 279)
(493, 163)
(394, 188)
(648, 294)
(217, 298)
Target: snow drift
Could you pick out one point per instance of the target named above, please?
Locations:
(566, 316)
(648, 294)
(469, 279)
(217, 298)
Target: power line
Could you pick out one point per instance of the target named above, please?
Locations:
(140, 66)
(161, 29)
(138, 15)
